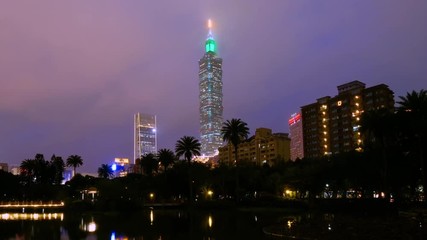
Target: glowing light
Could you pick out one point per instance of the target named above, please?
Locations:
(32, 216)
(210, 193)
(114, 167)
(290, 224)
(151, 216)
(41, 205)
(91, 227)
(210, 221)
(209, 23)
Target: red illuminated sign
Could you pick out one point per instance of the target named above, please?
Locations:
(296, 117)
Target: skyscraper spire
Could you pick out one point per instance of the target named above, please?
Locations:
(210, 25)
(210, 44)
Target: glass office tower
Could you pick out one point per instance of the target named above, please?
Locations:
(145, 136)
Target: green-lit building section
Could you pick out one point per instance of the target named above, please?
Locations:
(210, 97)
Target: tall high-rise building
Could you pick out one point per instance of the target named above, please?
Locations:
(145, 135)
(295, 134)
(332, 124)
(210, 97)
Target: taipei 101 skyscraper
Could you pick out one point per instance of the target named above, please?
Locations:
(210, 97)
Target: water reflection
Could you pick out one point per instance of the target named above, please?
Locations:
(88, 226)
(113, 237)
(210, 221)
(181, 224)
(32, 216)
(151, 216)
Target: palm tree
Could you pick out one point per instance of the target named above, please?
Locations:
(74, 161)
(28, 170)
(234, 132)
(378, 129)
(105, 171)
(415, 102)
(188, 147)
(149, 163)
(166, 157)
(413, 108)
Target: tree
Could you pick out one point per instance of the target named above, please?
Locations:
(166, 157)
(149, 163)
(413, 109)
(74, 161)
(379, 129)
(105, 171)
(28, 170)
(188, 147)
(234, 132)
(57, 165)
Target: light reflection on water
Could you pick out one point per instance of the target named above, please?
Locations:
(179, 224)
(32, 216)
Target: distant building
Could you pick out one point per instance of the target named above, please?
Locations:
(295, 133)
(15, 170)
(4, 167)
(145, 135)
(121, 167)
(331, 124)
(210, 98)
(264, 147)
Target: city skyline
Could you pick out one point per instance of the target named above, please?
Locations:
(72, 73)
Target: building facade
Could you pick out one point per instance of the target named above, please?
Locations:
(210, 98)
(4, 167)
(145, 135)
(295, 133)
(332, 124)
(264, 147)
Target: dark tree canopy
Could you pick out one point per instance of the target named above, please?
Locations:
(188, 147)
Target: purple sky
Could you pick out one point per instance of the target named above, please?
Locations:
(73, 73)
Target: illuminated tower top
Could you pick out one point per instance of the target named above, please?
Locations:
(210, 44)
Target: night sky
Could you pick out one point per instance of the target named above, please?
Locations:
(73, 73)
